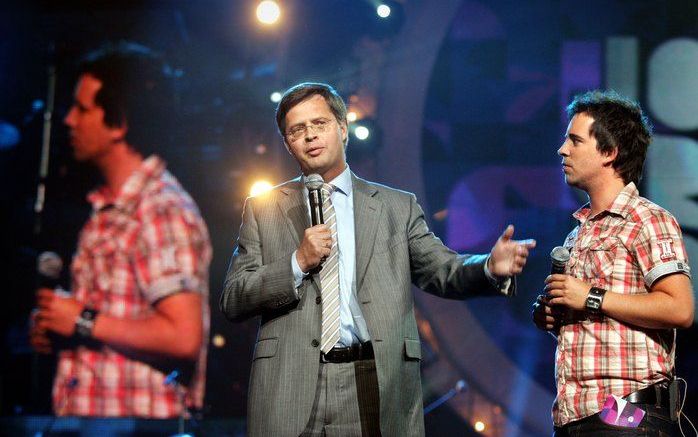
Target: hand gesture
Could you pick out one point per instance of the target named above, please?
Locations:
(315, 247)
(508, 256)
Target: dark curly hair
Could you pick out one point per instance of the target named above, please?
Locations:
(619, 123)
(137, 91)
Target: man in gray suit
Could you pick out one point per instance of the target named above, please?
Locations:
(338, 350)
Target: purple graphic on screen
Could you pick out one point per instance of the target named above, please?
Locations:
(477, 207)
(581, 70)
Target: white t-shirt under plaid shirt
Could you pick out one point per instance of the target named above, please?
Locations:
(624, 249)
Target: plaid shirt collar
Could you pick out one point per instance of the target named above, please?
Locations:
(621, 205)
(131, 191)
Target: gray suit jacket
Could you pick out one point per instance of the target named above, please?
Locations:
(394, 249)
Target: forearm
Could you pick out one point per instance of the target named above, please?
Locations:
(250, 288)
(655, 310)
(174, 330)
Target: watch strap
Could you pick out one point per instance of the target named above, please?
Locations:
(594, 300)
(85, 322)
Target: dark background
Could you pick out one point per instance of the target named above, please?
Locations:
(493, 120)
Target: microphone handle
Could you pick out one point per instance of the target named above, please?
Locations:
(315, 207)
(557, 269)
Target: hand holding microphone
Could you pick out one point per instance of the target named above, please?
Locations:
(317, 239)
(57, 310)
(49, 266)
(545, 316)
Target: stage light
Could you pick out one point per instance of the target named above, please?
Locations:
(361, 132)
(268, 12)
(275, 97)
(218, 340)
(479, 426)
(351, 116)
(383, 10)
(260, 187)
(366, 137)
(391, 17)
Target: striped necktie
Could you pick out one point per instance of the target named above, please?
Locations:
(329, 278)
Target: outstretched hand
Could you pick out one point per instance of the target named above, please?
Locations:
(508, 257)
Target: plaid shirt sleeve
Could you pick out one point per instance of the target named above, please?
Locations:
(659, 248)
(172, 254)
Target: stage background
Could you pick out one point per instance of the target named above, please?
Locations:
(465, 105)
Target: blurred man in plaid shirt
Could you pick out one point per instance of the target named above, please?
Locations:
(627, 285)
(138, 311)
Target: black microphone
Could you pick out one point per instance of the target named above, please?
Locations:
(313, 183)
(559, 257)
(49, 266)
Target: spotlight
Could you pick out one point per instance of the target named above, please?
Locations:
(268, 12)
(366, 139)
(479, 426)
(218, 340)
(391, 17)
(275, 97)
(260, 187)
(383, 10)
(361, 133)
(351, 116)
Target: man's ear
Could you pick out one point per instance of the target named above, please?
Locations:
(345, 132)
(609, 157)
(118, 133)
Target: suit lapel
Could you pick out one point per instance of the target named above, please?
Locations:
(367, 215)
(293, 208)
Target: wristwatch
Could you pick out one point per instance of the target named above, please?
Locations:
(594, 300)
(85, 323)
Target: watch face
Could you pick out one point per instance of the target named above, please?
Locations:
(593, 303)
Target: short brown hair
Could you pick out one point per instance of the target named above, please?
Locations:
(619, 123)
(303, 91)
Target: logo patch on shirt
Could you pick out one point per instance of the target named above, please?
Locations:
(667, 250)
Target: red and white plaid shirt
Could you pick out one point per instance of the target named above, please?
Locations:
(623, 249)
(145, 244)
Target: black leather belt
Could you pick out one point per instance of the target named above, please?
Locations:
(656, 394)
(355, 352)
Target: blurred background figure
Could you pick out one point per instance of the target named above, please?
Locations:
(138, 308)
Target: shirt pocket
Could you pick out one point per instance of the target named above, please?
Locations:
(600, 260)
(103, 261)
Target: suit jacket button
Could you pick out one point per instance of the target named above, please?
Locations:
(315, 343)
(318, 300)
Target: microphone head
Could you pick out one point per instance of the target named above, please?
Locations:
(560, 255)
(49, 264)
(314, 181)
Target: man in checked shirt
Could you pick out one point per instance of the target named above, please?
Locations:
(627, 285)
(139, 310)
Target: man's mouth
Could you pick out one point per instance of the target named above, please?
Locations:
(314, 151)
